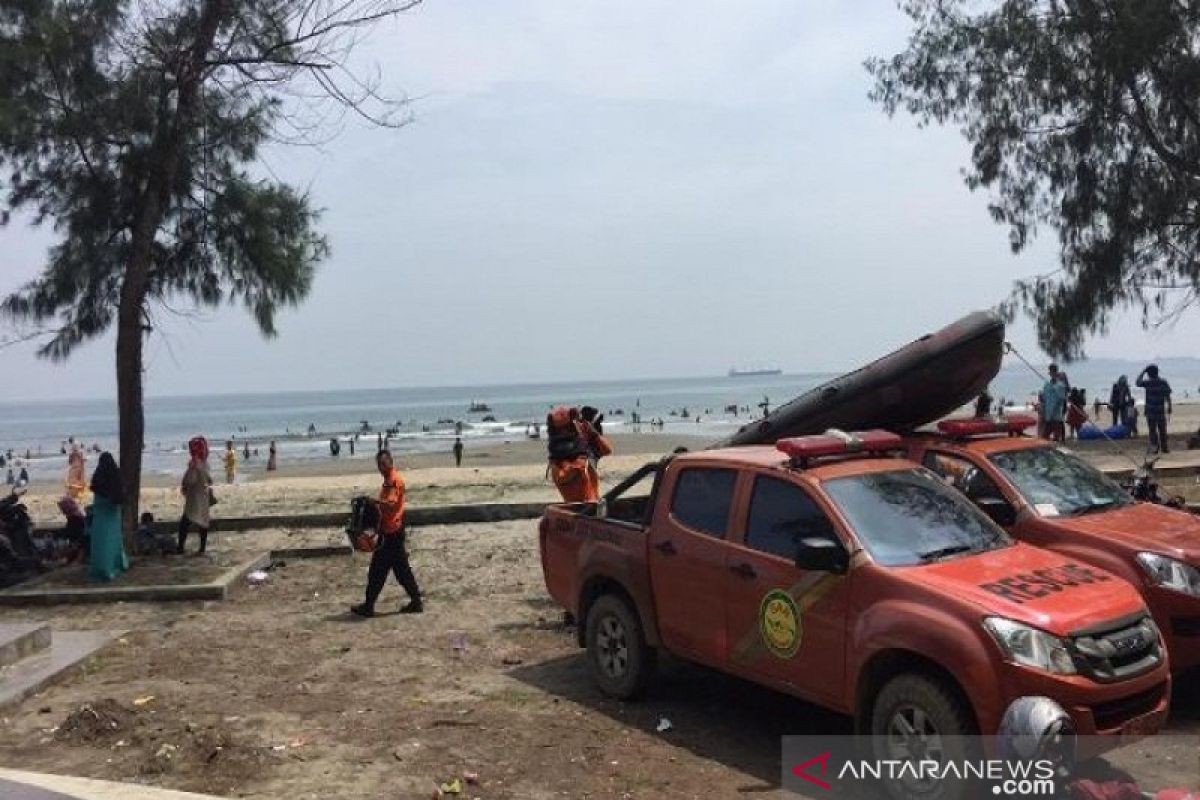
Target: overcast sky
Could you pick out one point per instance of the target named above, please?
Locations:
(609, 190)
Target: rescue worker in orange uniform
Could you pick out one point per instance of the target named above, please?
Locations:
(574, 446)
(390, 555)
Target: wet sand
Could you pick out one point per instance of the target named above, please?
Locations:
(506, 471)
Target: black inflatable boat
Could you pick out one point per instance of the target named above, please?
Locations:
(917, 384)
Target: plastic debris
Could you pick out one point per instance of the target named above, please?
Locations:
(146, 700)
(471, 778)
(452, 786)
(664, 725)
(257, 577)
(166, 751)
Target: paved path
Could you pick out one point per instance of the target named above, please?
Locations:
(16, 785)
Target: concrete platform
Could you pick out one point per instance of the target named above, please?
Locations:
(415, 516)
(17, 785)
(31, 594)
(22, 640)
(67, 650)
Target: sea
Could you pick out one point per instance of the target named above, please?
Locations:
(423, 419)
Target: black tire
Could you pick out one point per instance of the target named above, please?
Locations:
(924, 717)
(621, 661)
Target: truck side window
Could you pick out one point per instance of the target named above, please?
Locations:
(781, 514)
(962, 475)
(702, 499)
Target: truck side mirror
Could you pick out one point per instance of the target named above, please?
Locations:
(822, 555)
(998, 509)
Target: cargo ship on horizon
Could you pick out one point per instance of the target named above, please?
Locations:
(734, 372)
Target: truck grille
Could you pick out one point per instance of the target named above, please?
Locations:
(1116, 650)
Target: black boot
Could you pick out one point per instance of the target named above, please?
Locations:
(413, 607)
(362, 610)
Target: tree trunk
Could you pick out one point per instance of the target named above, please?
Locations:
(130, 409)
(170, 136)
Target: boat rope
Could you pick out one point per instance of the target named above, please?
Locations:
(1118, 450)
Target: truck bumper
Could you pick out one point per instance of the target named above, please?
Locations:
(1178, 617)
(1125, 709)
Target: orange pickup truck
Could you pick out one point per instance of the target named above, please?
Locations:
(1045, 496)
(830, 569)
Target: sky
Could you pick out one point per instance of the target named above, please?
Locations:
(608, 190)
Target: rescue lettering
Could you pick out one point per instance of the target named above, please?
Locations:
(1026, 586)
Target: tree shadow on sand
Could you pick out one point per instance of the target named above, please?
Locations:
(713, 716)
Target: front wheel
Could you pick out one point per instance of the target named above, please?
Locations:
(621, 660)
(917, 718)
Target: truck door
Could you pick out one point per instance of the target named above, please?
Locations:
(687, 562)
(785, 624)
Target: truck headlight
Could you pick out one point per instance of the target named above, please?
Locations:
(1171, 574)
(1030, 647)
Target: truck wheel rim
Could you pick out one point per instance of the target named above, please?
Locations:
(612, 647)
(912, 736)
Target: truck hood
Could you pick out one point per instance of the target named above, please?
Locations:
(1034, 586)
(1145, 526)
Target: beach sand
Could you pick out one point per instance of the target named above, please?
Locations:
(497, 472)
(280, 693)
(512, 471)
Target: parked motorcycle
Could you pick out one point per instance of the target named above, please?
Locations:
(19, 556)
(1143, 486)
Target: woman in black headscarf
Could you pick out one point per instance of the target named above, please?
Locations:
(108, 558)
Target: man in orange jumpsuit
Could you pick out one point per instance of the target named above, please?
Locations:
(574, 445)
(390, 554)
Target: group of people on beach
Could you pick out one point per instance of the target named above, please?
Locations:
(1062, 407)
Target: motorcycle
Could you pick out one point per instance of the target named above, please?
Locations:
(1143, 486)
(20, 557)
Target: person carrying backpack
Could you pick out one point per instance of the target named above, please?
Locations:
(573, 446)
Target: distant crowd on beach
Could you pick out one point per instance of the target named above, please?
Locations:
(1062, 409)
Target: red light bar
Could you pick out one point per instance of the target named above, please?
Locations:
(979, 426)
(836, 443)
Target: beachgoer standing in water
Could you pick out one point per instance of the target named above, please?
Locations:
(1158, 406)
(231, 461)
(458, 451)
(272, 464)
(390, 555)
(196, 488)
(107, 558)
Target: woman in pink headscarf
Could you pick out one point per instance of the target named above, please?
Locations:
(196, 488)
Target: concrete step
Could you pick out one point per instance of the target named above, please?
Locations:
(22, 640)
(31, 674)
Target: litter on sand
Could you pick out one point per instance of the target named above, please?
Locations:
(141, 701)
(257, 577)
(664, 725)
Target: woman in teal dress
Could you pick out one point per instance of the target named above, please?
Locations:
(108, 558)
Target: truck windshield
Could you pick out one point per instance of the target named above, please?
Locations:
(1057, 483)
(908, 517)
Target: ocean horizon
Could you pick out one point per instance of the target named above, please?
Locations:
(422, 419)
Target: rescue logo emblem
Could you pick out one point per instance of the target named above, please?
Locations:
(779, 623)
